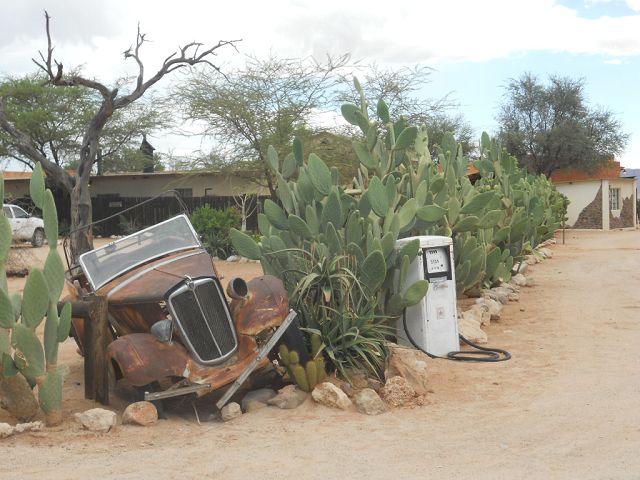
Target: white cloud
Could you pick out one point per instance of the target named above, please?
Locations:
(613, 61)
(405, 31)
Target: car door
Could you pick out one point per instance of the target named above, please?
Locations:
(9, 214)
(22, 224)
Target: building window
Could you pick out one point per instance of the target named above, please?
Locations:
(185, 192)
(614, 198)
(208, 192)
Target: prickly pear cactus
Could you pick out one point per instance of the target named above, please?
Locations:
(25, 351)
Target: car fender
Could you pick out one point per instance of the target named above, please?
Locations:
(266, 305)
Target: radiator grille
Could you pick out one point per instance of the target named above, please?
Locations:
(203, 317)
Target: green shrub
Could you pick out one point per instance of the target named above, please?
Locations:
(213, 226)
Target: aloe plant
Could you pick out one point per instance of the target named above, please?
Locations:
(23, 351)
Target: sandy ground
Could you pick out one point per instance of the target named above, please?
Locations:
(566, 406)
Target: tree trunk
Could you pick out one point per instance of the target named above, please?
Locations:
(81, 218)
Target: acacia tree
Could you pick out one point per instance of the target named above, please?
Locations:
(259, 105)
(401, 90)
(551, 126)
(111, 101)
(54, 119)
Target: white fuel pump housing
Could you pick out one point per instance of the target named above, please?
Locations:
(432, 323)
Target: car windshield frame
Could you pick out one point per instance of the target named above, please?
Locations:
(103, 264)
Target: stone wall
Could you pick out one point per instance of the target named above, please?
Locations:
(626, 215)
(591, 215)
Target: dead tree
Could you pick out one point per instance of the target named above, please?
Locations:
(247, 203)
(78, 185)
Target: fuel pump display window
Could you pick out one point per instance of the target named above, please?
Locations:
(437, 260)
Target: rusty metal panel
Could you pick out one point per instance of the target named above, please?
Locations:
(265, 306)
(151, 281)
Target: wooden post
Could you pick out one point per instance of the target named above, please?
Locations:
(97, 336)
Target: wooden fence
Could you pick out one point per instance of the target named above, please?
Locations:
(147, 211)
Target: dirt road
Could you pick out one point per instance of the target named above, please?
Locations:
(566, 406)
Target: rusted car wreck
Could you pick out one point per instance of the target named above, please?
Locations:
(169, 322)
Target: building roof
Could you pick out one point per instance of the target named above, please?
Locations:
(607, 172)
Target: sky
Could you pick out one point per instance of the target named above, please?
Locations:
(474, 47)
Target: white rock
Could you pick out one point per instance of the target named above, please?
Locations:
(97, 419)
(546, 252)
(29, 427)
(233, 258)
(288, 397)
(253, 399)
(367, 401)
(331, 396)
(410, 364)
(6, 430)
(519, 280)
(144, 414)
(495, 308)
(471, 331)
(397, 392)
(481, 311)
(230, 411)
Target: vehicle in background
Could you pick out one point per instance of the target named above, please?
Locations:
(25, 227)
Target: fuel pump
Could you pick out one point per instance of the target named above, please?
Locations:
(432, 324)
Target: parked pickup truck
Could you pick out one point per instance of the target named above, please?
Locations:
(25, 227)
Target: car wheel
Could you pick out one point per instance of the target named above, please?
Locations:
(38, 238)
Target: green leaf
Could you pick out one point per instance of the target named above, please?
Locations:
(353, 230)
(490, 219)
(264, 226)
(437, 184)
(410, 249)
(244, 244)
(320, 174)
(311, 216)
(284, 193)
(7, 315)
(466, 224)
(415, 293)
(298, 151)
(377, 196)
(364, 155)
(36, 186)
(332, 210)
(289, 166)
(299, 227)
(373, 271)
(431, 213)
(6, 236)
(462, 272)
(35, 299)
(29, 349)
(353, 115)
(406, 138)
(50, 218)
(54, 275)
(383, 111)
(275, 214)
(407, 212)
(478, 202)
(50, 393)
(64, 327)
(273, 160)
(501, 235)
(5, 345)
(333, 240)
(51, 326)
